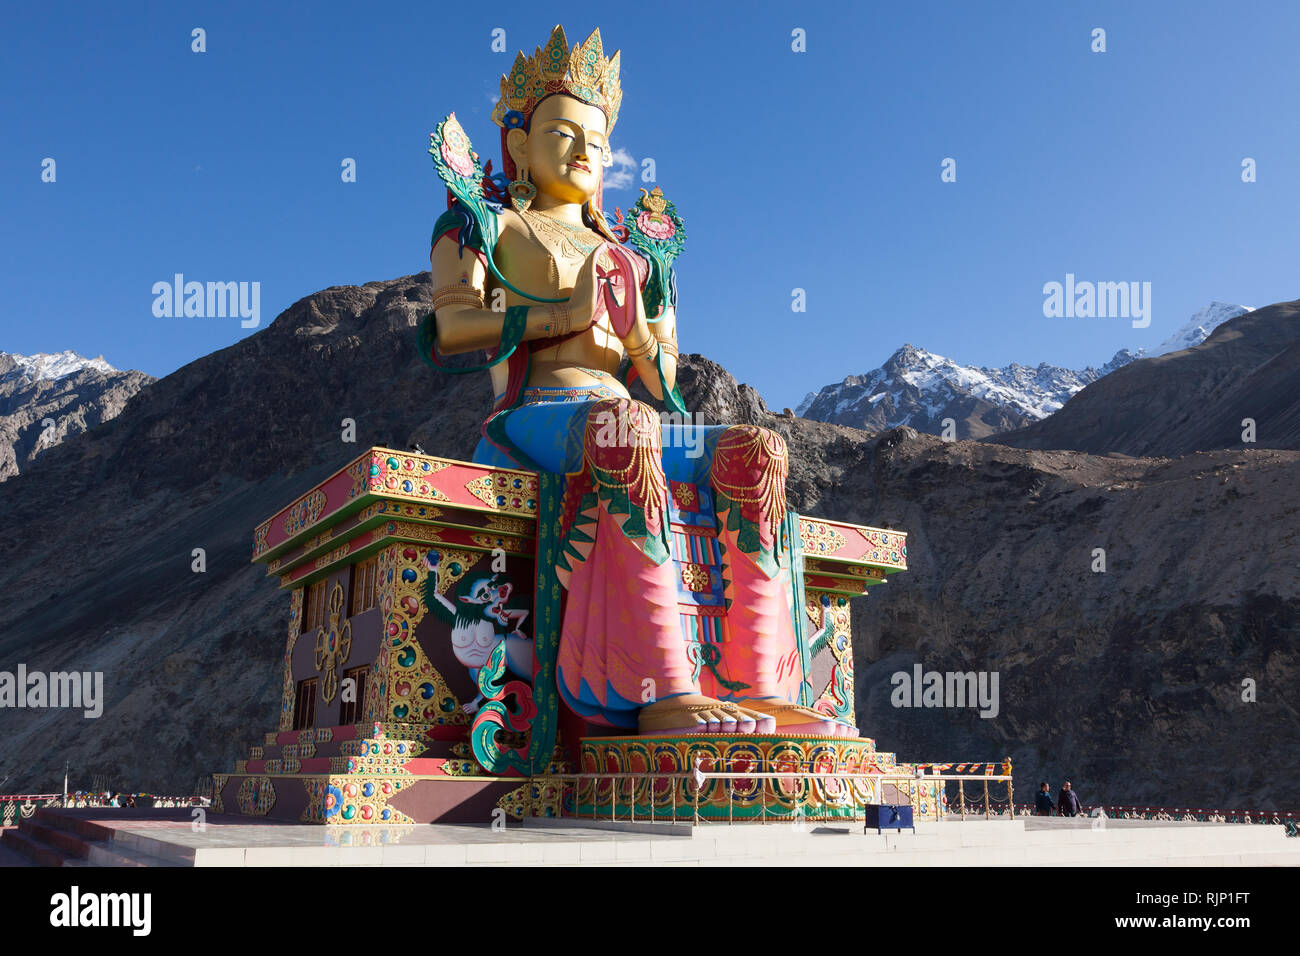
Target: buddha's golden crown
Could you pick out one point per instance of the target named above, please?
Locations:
(583, 72)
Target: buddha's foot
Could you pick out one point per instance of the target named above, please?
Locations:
(795, 719)
(697, 714)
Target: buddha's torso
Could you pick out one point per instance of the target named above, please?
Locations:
(543, 256)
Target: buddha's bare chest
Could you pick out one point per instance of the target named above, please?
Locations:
(544, 258)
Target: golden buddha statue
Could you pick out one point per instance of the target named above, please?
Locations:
(652, 638)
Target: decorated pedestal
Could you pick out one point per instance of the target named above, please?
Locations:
(702, 777)
(410, 672)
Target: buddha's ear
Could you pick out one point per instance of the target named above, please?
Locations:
(515, 141)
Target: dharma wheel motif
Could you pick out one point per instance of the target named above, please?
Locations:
(333, 645)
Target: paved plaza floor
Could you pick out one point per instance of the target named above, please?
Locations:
(112, 837)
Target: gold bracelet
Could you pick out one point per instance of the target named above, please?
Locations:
(669, 347)
(561, 318)
(638, 348)
(557, 321)
(645, 350)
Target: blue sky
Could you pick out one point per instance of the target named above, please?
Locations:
(817, 170)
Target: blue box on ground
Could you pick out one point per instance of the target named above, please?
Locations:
(888, 816)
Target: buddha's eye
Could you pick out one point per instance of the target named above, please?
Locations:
(560, 132)
(596, 146)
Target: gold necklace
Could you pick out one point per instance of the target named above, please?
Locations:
(573, 241)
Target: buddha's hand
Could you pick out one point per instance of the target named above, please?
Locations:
(586, 303)
(616, 278)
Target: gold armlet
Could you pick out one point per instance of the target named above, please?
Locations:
(457, 294)
(669, 347)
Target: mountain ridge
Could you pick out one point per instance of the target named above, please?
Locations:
(1103, 676)
(46, 397)
(1236, 389)
(923, 390)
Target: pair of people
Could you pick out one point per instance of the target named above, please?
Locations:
(1067, 802)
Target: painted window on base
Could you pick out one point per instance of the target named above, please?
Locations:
(350, 710)
(313, 615)
(304, 705)
(363, 585)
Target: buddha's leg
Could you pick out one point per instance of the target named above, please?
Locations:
(760, 663)
(622, 660)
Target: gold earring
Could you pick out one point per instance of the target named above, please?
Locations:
(521, 190)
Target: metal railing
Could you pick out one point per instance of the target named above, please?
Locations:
(22, 806)
(1289, 820)
(553, 791)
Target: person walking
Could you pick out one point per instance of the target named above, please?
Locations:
(1043, 805)
(1067, 802)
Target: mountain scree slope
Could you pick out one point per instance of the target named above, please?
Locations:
(1127, 682)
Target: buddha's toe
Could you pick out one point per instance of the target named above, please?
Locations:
(719, 721)
(793, 718)
(703, 715)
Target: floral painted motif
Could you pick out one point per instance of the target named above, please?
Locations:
(656, 225)
(304, 513)
(455, 148)
(256, 796)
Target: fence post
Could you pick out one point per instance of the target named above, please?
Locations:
(986, 799)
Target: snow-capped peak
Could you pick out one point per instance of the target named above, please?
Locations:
(917, 385)
(807, 400)
(1199, 327)
(52, 365)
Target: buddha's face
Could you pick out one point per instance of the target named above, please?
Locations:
(564, 149)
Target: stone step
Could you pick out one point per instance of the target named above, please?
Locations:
(33, 848)
(10, 856)
(83, 843)
(139, 845)
(116, 853)
(71, 845)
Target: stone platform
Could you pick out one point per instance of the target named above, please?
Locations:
(401, 773)
(107, 837)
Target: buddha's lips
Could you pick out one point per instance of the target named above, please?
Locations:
(580, 166)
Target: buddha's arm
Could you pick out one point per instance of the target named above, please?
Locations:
(464, 322)
(663, 332)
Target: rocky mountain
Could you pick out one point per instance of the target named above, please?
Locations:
(1244, 376)
(44, 398)
(921, 389)
(1129, 681)
(1197, 329)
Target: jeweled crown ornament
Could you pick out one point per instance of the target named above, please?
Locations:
(583, 72)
